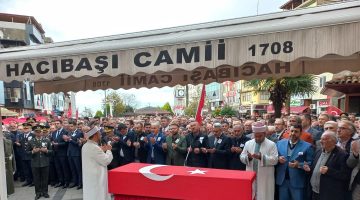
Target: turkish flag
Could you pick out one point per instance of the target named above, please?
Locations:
(201, 105)
(77, 114)
(69, 113)
(146, 181)
(333, 110)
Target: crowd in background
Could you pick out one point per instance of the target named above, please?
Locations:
(295, 157)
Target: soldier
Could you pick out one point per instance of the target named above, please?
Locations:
(110, 138)
(26, 158)
(9, 165)
(53, 179)
(40, 150)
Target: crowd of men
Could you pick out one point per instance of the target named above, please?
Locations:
(295, 157)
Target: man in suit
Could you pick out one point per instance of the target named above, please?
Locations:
(197, 145)
(47, 133)
(345, 132)
(74, 154)
(290, 176)
(280, 128)
(164, 121)
(14, 133)
(140, 142)
(60, 150)
(26, 158)
(329, 173)
(219, 148)
(175, 147)
(354, 163)
(156, 154)
(40, 149)
(126, 147)
(238, 143)
(295, 120)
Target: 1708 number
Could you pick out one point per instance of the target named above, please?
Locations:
(275, 48)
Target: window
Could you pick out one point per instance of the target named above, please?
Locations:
(246, 96)
(264, 95)
(322, 81)
(13, 93)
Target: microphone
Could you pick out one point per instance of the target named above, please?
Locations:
(187, 156)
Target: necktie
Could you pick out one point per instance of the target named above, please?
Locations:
(255, 161)
(57, 134)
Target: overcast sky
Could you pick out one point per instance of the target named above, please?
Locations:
(65, 20)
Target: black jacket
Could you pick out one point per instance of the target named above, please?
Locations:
(197, 141)
(220, 158)
(235, 162)
(61, 148)
(334, 184)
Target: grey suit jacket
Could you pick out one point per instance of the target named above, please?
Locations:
(353, 163)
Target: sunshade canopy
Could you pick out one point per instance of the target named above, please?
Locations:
(310, 41)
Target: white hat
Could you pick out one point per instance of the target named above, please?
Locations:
(258, 127)
(92, 132)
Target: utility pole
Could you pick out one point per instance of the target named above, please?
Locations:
(187, 95)
(105, 114)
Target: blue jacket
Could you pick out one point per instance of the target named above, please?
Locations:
(159, 154)
(302, 152)
(74, 149)
(61, 148)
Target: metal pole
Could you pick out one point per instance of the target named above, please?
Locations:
(3, 189)
(187, 95)
(105, 105)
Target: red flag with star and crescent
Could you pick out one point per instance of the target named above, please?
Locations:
(179, 182)
(333, 110)
(201, 105)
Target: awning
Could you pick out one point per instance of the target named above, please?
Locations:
(8, 113)
(293, 109)
(291, 43)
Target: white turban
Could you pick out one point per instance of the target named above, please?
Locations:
(92, 132)
(258, 127)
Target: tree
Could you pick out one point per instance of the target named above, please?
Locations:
(129, 100)
(116, 102)
(192, 108)
(227, 111)
(216, 112)
(167, 107)
(282, 89)
(99, 114)
(87, 112)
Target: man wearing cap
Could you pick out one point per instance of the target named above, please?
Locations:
(260, 155)
(74, 154)
(94, 166)
(219, 148)
(26, 158)
(112, 139)
(40, 149)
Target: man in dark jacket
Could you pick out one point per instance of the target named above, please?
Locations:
(237, 145)
(74, 154)
(197, 145)
(330, 174)
(126, 148)
(140, 142)
(219, 148)
(26, 158)
(60, 150)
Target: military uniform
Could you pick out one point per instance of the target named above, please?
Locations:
(40, 163)
(26, 158)
(9, 165)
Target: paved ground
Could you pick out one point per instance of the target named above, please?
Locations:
(28, 193)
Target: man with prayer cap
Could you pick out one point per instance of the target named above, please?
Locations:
(260, 155)
(94, 166)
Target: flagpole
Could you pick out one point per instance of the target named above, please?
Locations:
(257, 7)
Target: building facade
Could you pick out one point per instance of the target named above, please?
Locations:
(20, 30)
